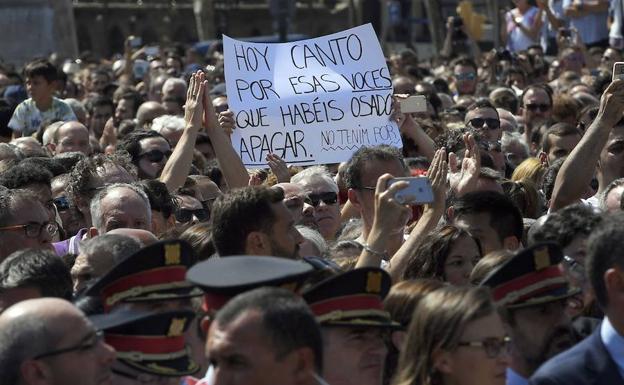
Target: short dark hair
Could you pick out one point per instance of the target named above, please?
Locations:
(565, 225)
(160, 198)
(505, 217)
(604, 251)
(481, 103)
(38, 268)
(558, 129)
(286, 319)
(541, 86)
(87, 168)
(365, 155)
(43, 68)
(238, 213)
(24, 174)
(464, 61)
(136, 99)
(9, 198)
(131, 143)
(98, 101)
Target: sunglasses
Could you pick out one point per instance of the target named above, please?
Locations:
(540, 107)
(493, 124)
(329, 198)
(466, 76)
(61, 203)
(185, 215)
(155, 155)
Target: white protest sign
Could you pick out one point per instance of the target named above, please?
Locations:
(311, 102)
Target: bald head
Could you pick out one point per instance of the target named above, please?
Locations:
(145, 237)
(47, 308)
(72, 137)
(149, 111)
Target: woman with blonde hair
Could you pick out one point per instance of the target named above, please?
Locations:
(455, 337)
(531, 169)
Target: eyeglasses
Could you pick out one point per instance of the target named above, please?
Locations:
(540, 107)
(493, 124)
(155, 155)
(33, 229)
(493, 346)
(466, 76)
(329, 198)
(86, 343)
(185, 215)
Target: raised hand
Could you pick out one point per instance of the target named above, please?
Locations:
(194, 106)
(279, 168)
(437, 176)
(464, 179)
(226, 122)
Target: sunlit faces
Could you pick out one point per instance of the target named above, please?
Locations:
(153, 156)
(536, 107)
(30, 212)
(470, 363)
(353, 356)
(486, 121)
(611, 164)
(465, 79)
(462, 257)
(322, 199)
(561, 146)
(39, 88)
(478, 225)
(124, 208)
(73, 136)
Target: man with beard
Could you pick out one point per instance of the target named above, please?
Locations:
(254, 221)
(532, 293)
(354, 325)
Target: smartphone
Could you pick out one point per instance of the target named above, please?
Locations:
(416, 103)
(152, 50)
(140, 68)
(418, 192)
(618, 70)
(136, 41)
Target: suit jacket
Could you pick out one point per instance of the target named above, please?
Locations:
(586, 363)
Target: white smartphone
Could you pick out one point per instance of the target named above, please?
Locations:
(418, 192)
(136, 41)
(618, 70)
(416, 103)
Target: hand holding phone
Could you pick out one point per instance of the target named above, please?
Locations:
(418, 192)
(415, 103)
(618, 70)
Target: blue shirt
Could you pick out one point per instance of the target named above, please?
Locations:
(514, 378)
(614, 343)
(592, 28)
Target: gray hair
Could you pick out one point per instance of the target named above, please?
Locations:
(96, 203)
(602, 199)
(174, 82)
(168, 123)
(50, 135)
(315, 238)
(117, 246)
(22, 338)
(314, 174)
(509, 138)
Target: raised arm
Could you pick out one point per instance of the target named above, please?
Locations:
(179, 164)
(232, 166)
(578, 168)
(428, 221)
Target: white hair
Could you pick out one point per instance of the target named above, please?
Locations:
(49, 135)
(168, 123)
(315, 238)
(96, 203)
(509, 138)
(314, 174)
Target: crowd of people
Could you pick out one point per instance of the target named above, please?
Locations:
(136, 248)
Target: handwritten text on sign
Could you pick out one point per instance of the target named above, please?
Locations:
(312, 101)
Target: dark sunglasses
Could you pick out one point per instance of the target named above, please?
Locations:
(156, 155)
(185, 215)
(493, 124)
(466, 76)
(329, 198)
(61, 203)
(540, 107)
